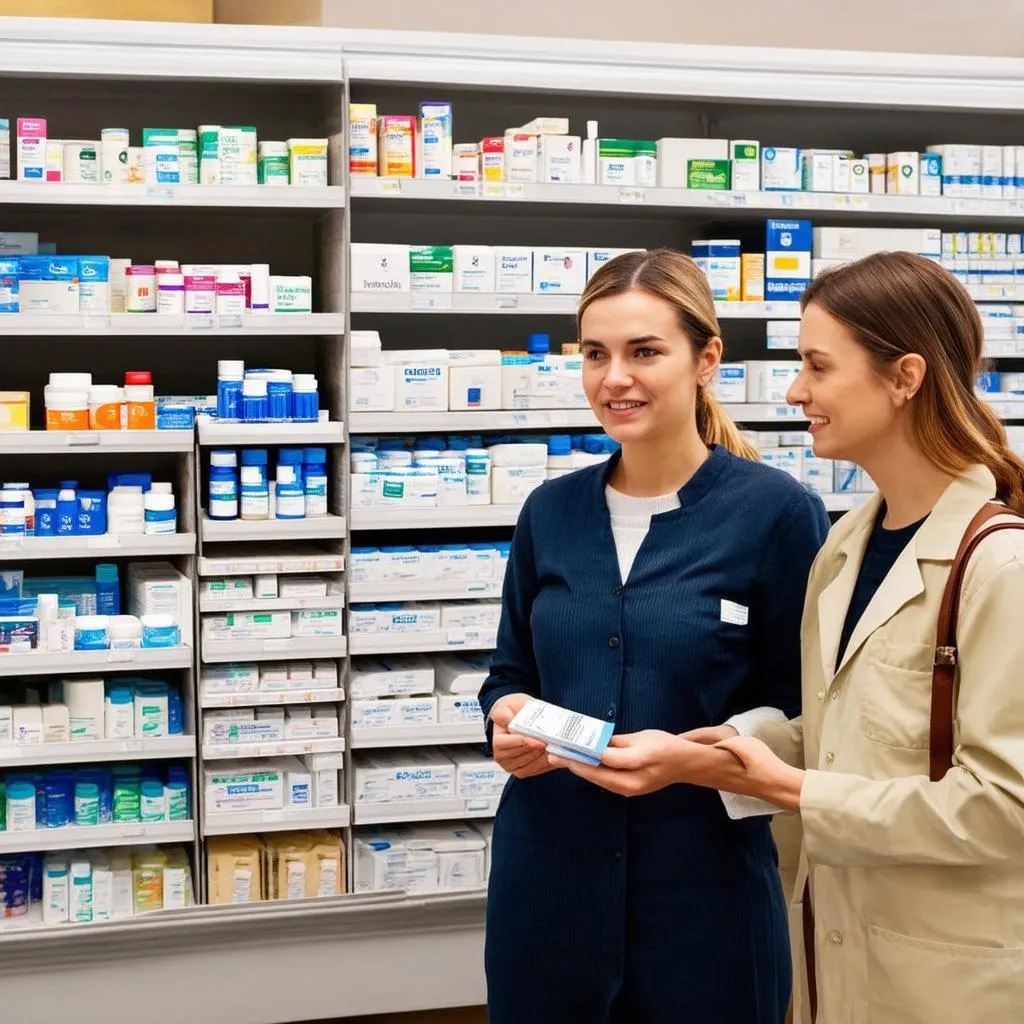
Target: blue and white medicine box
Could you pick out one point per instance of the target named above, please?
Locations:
(18, 243)
(787, 270)
(930, 174)
(9, 286)
(48, 284)
(731, 386)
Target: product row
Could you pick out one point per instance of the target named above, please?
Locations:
(301, 623)
(83, 710)
(273, 784)
(84, 797)
(410, 617)
(84, 613)
(288, 866)
(422, 146)
(277, 677)
(418, 675)
(264, 395)
(446, 857)
(271, 725)
(207, 155)
(132, 505)
(472, 562)
(426, 775)
(70, 284)
(240, 486)
(93, 885)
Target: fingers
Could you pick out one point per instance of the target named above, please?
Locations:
(502, 715)
(710, 735)
(607, 778)
(736, 746)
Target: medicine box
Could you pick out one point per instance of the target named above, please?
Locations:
(731, 385)
(674, 156)
(379, 268)
(247, 626)
(394, 712)
(770, 381)
(597, 258)
(476, 774)
(559, 159)
(781, 169)
(421, 387)
(460, 674)
(401, 676)
(431, 268)
(782, 334)
(5, 149)
(383, 860)
(789, 460)
(403, 777)
(317, 622)
(474, 268)
(816, 474)
(559, 271)
(372, 389)
(787, 259)
(226, 679)
(456, 709)
(237, 786)
(48, 284)
(513, 269)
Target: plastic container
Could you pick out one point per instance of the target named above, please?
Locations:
(160, 631)
(176, 800)
(13, 519)
(119, 711)
(67, 508)
(87, 803)
(272, 166)
(160, 515)
(66, 408)
(139, 400)
(126, 795)
(478, 476)
(92, 633)
(92, 513)
(126, 514)
(108, 589)
(223, 500)
(170, 293)
(150, 711)
(230, 374)
(279, 396)
(125, 633)
(290, 498)
(151, 802)
(314, 475)
(59, 800)
(175, 713)
(559, 455)
(46, 513)
(255, 406)
(255, 492)
(200, 293)
(28, 502)
(21, 807)
(106, 407)
(305, 398)
(140, 288)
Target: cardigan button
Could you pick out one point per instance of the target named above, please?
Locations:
(613, 641)
(836, 938)
(830, 759)
(821, 696)
(616, 591)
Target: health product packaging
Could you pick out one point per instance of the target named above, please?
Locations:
(567, 733)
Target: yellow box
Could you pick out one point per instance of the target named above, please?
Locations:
(14, 410)
(127, 10)
(752, 277)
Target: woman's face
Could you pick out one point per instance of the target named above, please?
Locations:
(639, 369)
(852, 408)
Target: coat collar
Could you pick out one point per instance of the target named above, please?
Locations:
(700, 484)
(936, 540)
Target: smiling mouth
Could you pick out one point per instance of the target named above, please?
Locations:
(819, 421)
(624, 406)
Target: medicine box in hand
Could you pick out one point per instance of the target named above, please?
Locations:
(567, 733)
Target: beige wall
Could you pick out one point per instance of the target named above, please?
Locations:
(986, 27)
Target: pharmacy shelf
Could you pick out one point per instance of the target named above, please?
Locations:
(536, 305)
(715, 201)
(81, 837)
(424, 643)
(85, 752)
(251, 563)
(219, 651)
(276, 604)
(234, 530)
(997, 292)
(257, 197)
(444, 422)
(425, 590)
(58, 442)
(273, 748)
(307, 434)
(21, 549)
(395, 518)
(418, 735)
(425, 810)
(37, 663)
(1005, 406)
(89, 325)
(289, 819)
(275, 699)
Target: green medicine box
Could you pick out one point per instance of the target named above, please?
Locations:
(708, 174)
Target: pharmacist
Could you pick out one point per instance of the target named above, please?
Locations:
(661, 590)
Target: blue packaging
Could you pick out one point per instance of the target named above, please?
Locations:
(58, 789)
(160, 633)
(174, 712)
(143, 480)
(988, 383)
(46, 513)
(255, 403)
(279, 400)
(175, 417)
(15, 886)
(48, 284)
(67, 508)
(94, 284)
(930, 174)
(91, 633)
(108, 589)
(787, 270)
(9, 286)
(19, 632)
(92, 513)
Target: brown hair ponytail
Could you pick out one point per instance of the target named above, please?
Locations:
(897, 303)
(674, 277)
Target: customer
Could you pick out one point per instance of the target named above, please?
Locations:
(660, 590)
(918, 883)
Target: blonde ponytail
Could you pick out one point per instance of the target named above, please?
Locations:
(674, 277)
(716, 427)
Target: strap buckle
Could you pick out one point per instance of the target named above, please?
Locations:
(945, 656)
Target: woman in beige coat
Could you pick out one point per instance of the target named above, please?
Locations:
(917, 885)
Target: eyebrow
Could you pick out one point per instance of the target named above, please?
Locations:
(807, 353)
(646, 339)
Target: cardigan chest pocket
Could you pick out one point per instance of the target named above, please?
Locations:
(918, 981)
(896, 677)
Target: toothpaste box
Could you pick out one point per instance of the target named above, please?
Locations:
(788, 246)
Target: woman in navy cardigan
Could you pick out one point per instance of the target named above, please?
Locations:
(662, 590)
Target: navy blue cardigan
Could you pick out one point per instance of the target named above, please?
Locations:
(658, 651)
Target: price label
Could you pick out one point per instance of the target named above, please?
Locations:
(198, 321)
(12, 543)
(840, 202)
(467, 189)
(515, 192)
(131, 746)
(960, 206)
(508, 302)
(478, 805)
(455, 638)
(281, 644)
(390, 186)
(425, 302)
(133, 831)
(632, 195)
(159, 193)
(90, 439)
(229, 321)
(104, 541)
(264, 567)
(97, 322)
(492, 190)
(786, 412)
(123, 656)
(739, 198)
(271, 816)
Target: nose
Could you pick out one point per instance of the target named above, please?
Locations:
(799, 393)
(618, 374)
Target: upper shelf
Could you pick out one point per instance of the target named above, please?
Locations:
(51, 442)
(244, 196)
(163, 324)
(714, 201)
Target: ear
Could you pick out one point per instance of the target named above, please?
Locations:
(708, 359)
(908, 376)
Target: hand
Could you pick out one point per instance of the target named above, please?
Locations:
(644, 762)
(521, 756)
(765, 775)
(711, 734)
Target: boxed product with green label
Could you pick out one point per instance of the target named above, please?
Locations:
(708, 174)
(431, 268)
(247, 626)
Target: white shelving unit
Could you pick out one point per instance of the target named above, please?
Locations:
(272, 748)
(427, 590)
(18, 755)
(272, 699)
(270, 604)
(245, 196)
(425, 810)
(216, 531)
(250, 563)
(418, 735)
(289, 819)
(92, 837)
(455, 516)
(44, 663)
(287, 648)
(20, 549)
(57, 442)
(132, 325)
(450, 641)
(309, 435)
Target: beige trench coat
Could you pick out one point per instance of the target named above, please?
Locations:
(918, 887)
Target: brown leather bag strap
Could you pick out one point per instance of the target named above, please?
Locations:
(943, 714)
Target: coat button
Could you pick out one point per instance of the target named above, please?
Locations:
(830, 759)
(836, 938)
(618, 855)
(610, 713)
(616, 591)
(613, 641)
(821, 696)
(835, 694)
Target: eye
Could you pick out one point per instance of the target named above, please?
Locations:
(592, 355)
(646, 353)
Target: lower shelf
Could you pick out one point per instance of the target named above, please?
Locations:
(86, 752)
(273, 748)
(218, 651)
(418, 735)
(422, 643)
(81, 837)
(425, 810)
(290, 819)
